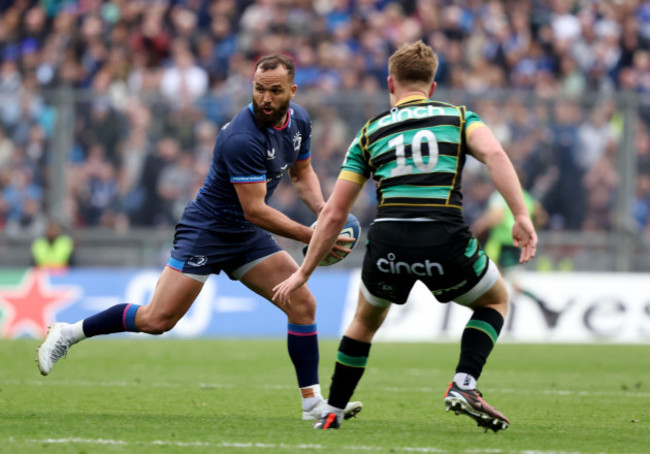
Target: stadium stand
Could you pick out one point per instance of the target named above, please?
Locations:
(110, 108)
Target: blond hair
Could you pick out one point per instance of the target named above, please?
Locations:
(413, 63)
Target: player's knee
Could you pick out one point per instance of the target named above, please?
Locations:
(496, 298)
(303, 310)
(157, 323)
(365, 322)
(501, 295)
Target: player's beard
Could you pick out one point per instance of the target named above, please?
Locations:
(274, 118)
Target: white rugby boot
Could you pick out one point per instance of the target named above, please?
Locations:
(54, 347)
(352, 409)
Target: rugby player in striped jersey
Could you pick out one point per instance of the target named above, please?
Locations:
(416, 152)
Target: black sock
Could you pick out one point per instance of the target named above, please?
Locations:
(302, 343)
(479, 337)
(351, 361)
(115, 319)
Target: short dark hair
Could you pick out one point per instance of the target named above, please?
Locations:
(272, 61)
(414, 62)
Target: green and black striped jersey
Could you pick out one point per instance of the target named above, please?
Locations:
(416, 152)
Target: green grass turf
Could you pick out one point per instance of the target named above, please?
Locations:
(207, 396)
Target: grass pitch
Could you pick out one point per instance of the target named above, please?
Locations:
(218, 396)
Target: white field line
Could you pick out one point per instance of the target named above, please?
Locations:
(257, 446)
(123, 384)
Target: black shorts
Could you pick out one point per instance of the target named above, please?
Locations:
(444, 256)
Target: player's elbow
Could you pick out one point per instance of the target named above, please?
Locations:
(494, 156)
(254, 212)
(253, 216)
(294, 177)
(333, 217)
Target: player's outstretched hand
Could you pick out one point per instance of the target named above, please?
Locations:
(524, 237)
(283, 290)
(340, 248)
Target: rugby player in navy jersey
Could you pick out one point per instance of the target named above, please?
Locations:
(228, 228)
(416, 152)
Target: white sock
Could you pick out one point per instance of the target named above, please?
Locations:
(310, 396)
(465, 381)
(74, 332)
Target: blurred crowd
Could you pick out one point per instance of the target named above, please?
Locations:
(149, 83)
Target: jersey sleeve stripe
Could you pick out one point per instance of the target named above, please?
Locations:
(473, 126)
(352, 176)
(248, 179)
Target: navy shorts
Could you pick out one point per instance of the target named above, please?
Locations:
(444, 256)
(201, 250)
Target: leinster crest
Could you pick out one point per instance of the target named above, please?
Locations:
(297, 141)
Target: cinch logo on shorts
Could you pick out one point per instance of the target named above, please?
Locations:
(389, 265)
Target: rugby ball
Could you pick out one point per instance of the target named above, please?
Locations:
(351, 229)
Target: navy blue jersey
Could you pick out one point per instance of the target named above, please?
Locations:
(246, 153)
